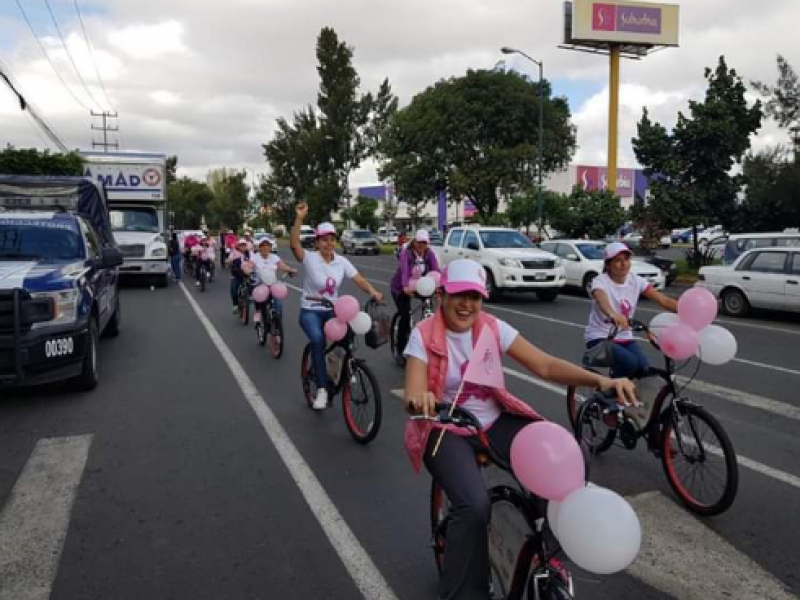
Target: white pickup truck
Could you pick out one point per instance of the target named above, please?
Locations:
(512, 262)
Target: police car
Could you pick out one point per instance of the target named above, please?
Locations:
(58, 280)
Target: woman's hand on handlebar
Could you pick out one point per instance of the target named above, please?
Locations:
(377, 296)
(624, 388)
(422, 403)
(619, 321)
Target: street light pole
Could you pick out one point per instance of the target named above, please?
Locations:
(540, 156)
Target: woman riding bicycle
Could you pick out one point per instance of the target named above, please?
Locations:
(266, 267)
(236, 259)
(438, 352)
(416, 260)
(615, 295)
(204, 257)
(323, 273)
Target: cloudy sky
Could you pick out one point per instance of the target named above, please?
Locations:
(206, 79)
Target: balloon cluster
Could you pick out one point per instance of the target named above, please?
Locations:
(347, 314)
(596, 527)
(270, 286)
(690, 333)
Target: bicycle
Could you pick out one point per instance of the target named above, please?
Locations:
(203, 275)
(270, 326)
(676, 429)
(243, 300)
(361, 396)
(422, 311)
(523, 552)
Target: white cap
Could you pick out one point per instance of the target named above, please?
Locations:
(325, 229)
(264, 240)
(241, 241)
(422, 236)
(616, 248)
(464, 275)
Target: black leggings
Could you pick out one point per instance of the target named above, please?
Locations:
(466, 560)
(403, 302)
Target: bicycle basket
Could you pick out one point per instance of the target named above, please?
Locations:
(380, 331)
(600, 355)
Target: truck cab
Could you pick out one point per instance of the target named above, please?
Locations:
(58, 280)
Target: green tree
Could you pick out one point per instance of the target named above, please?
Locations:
(692, 166)
(363, 213)
(523, 207)
(592, 213)
(189, 201)
(172, 169)
(783, 101)
(772, 197)
(231, 202)
(30, 161)
(477, 136)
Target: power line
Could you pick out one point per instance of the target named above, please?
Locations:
(69, 54)
(47, 56)
(91, 54)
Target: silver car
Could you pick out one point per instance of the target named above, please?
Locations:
(360, 241)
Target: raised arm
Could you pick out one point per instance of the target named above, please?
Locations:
(300, 212)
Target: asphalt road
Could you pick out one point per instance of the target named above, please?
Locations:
(180, 477)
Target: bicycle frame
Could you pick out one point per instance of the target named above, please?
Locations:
(349, 343)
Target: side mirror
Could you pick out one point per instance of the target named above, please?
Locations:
(473, 246)
(110, 257)
(573, 257)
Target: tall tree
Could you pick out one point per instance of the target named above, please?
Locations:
(692, 166)
(231, 201)
(477, 136)
(772, 197)
(172, 169)
(30, 161)
(363, 213)
(783, 101)
(189, 201)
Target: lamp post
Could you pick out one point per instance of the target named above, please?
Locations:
(539, 190)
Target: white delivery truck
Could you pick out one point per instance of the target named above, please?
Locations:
(136, 187)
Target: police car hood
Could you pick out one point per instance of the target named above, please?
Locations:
(34, 276)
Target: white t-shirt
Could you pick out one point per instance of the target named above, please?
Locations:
(474, 398)
(623, 299)
(266, 264)
(322, 279)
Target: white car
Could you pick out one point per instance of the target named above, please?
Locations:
(760, 278)
(709, 234)
(583, 261)
(511, 260)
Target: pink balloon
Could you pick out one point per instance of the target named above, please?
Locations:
(261, 293)
(547, 460)
(697, 308)
(679, 341)
(335, 329)
(279, 290)
(437, 278)
(346, 308)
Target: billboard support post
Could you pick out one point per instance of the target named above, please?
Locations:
(613, 117)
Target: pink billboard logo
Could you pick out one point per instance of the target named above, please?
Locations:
(596, 178)
(604, 17)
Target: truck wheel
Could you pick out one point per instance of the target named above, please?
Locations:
(89, 377)
(162, 281)
(115, 324)
(546, 295)
(495, 293)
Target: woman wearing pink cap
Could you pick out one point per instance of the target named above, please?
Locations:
(323, 273)
(615, 295)
(437, 355)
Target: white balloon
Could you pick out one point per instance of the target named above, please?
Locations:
(599, 530)
(553, 508)
(361, 323)
(717, 345)
(662, 320)
(426, 286)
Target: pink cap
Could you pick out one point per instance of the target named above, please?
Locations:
(616, 248)
(422, 236)
(325, 229)
(464, 275)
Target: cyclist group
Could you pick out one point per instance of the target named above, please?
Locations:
(438, 350)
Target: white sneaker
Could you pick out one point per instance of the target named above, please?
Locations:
(321, 401)
(197, 284)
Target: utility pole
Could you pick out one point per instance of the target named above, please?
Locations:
(105, 129)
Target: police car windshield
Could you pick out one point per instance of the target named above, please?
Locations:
(39, 240)
(134, 219)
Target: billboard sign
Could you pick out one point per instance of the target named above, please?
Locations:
(630, 182)
(625, 22)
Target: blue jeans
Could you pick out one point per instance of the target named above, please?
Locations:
(235, 283)
(175, 261)
(277, 302)
(312, 323)
(629, 360)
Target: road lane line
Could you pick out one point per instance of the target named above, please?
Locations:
(684, 558)
(35, 519)
(356, 560)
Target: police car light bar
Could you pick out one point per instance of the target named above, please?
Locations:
(40, 202)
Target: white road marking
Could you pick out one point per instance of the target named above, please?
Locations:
(35, 518)
(744, 399)
(683, 557)
(753, 363)
(362, 569)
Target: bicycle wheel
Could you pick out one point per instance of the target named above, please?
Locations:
(440, 518)
(397, 353)
(590, 424)
(276, 335)
(261, 332)
(361, 402)
(699, 459)
(244, 305)
(550, 588)
(308, 376)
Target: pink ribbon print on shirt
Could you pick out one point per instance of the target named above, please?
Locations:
(330, 287)
(626, 309)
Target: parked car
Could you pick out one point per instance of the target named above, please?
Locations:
(710, 234)
(665, 241)
(307, 236)
(685, 235)
(388, 236)
(716, 247)
(760, 278)
(437, 239)
(738, 243)
(511, 260)
(360, 241)
(583, 261)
